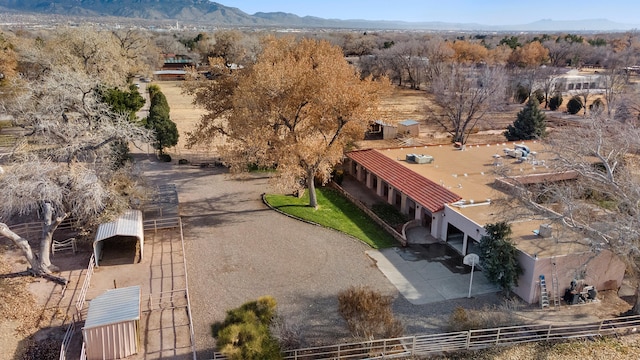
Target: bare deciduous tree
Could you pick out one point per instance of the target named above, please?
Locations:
(61, 168)
(465, 94)
(547, 81)
(603, 202)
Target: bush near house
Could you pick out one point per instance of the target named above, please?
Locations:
(389, 214)
(368, 313)
(499, 257)
(555, 101)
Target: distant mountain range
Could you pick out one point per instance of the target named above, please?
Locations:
(214, 13)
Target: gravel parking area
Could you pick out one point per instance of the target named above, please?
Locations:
(237, 250)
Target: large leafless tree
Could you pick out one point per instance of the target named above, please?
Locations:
(465, 94)
(63, 164)
(603, 202)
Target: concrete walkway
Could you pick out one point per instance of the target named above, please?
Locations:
(423, 281)
(427, 271)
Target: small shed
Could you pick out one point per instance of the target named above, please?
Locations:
(124, 237)
(409, 128)
(383, 130)
(111, 330)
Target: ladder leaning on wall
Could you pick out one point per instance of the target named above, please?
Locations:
(544, 294)
(554, 285)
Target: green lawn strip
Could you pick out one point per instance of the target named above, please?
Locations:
(336, 212)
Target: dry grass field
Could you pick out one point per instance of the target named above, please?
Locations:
(401, 104)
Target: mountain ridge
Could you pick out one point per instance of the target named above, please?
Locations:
(213, 12)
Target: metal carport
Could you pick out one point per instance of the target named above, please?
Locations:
(129, 224)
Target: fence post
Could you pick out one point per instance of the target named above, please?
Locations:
(549, 331)
(600, 327)
(468, 339)
(413, 346)
(498, 336)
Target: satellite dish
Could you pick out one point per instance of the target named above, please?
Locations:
(471, 259)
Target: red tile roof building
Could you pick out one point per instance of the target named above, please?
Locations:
(423, 191)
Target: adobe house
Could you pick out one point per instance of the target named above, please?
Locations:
(454, 196)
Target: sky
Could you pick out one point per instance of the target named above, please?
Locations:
(486, 12)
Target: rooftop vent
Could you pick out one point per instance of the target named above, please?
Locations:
(545, 230)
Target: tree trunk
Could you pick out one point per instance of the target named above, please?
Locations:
(313, 200)
(48, 227)
(636, 307)
(23, 244)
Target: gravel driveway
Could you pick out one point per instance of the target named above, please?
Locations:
(237, 250)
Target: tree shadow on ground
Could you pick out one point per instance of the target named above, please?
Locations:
(45, 344)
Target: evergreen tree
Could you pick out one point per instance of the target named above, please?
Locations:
(159, 121)
(530, 124)
(122, 101)
(499, 257)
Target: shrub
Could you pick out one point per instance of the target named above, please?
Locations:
(338, 175)
(539, 95)
(486, 318)
(574, 105)
(164, 157)
(555, 101)
(288, 336)
(522, 94)
(183, 162)
(245, 335)
(368, 313)
(389, 214)
(597, 105)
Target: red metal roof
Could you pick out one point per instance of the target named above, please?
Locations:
(423, 191)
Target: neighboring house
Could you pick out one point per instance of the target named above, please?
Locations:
(574, 80)
(174, 67)
(177, 62)
(454, 196)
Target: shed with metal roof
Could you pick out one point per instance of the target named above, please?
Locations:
(111, 330)
(126, 230)
(409, 128)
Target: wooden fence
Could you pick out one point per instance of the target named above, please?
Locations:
(434, 344)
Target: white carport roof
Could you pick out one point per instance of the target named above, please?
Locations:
(128, 224)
